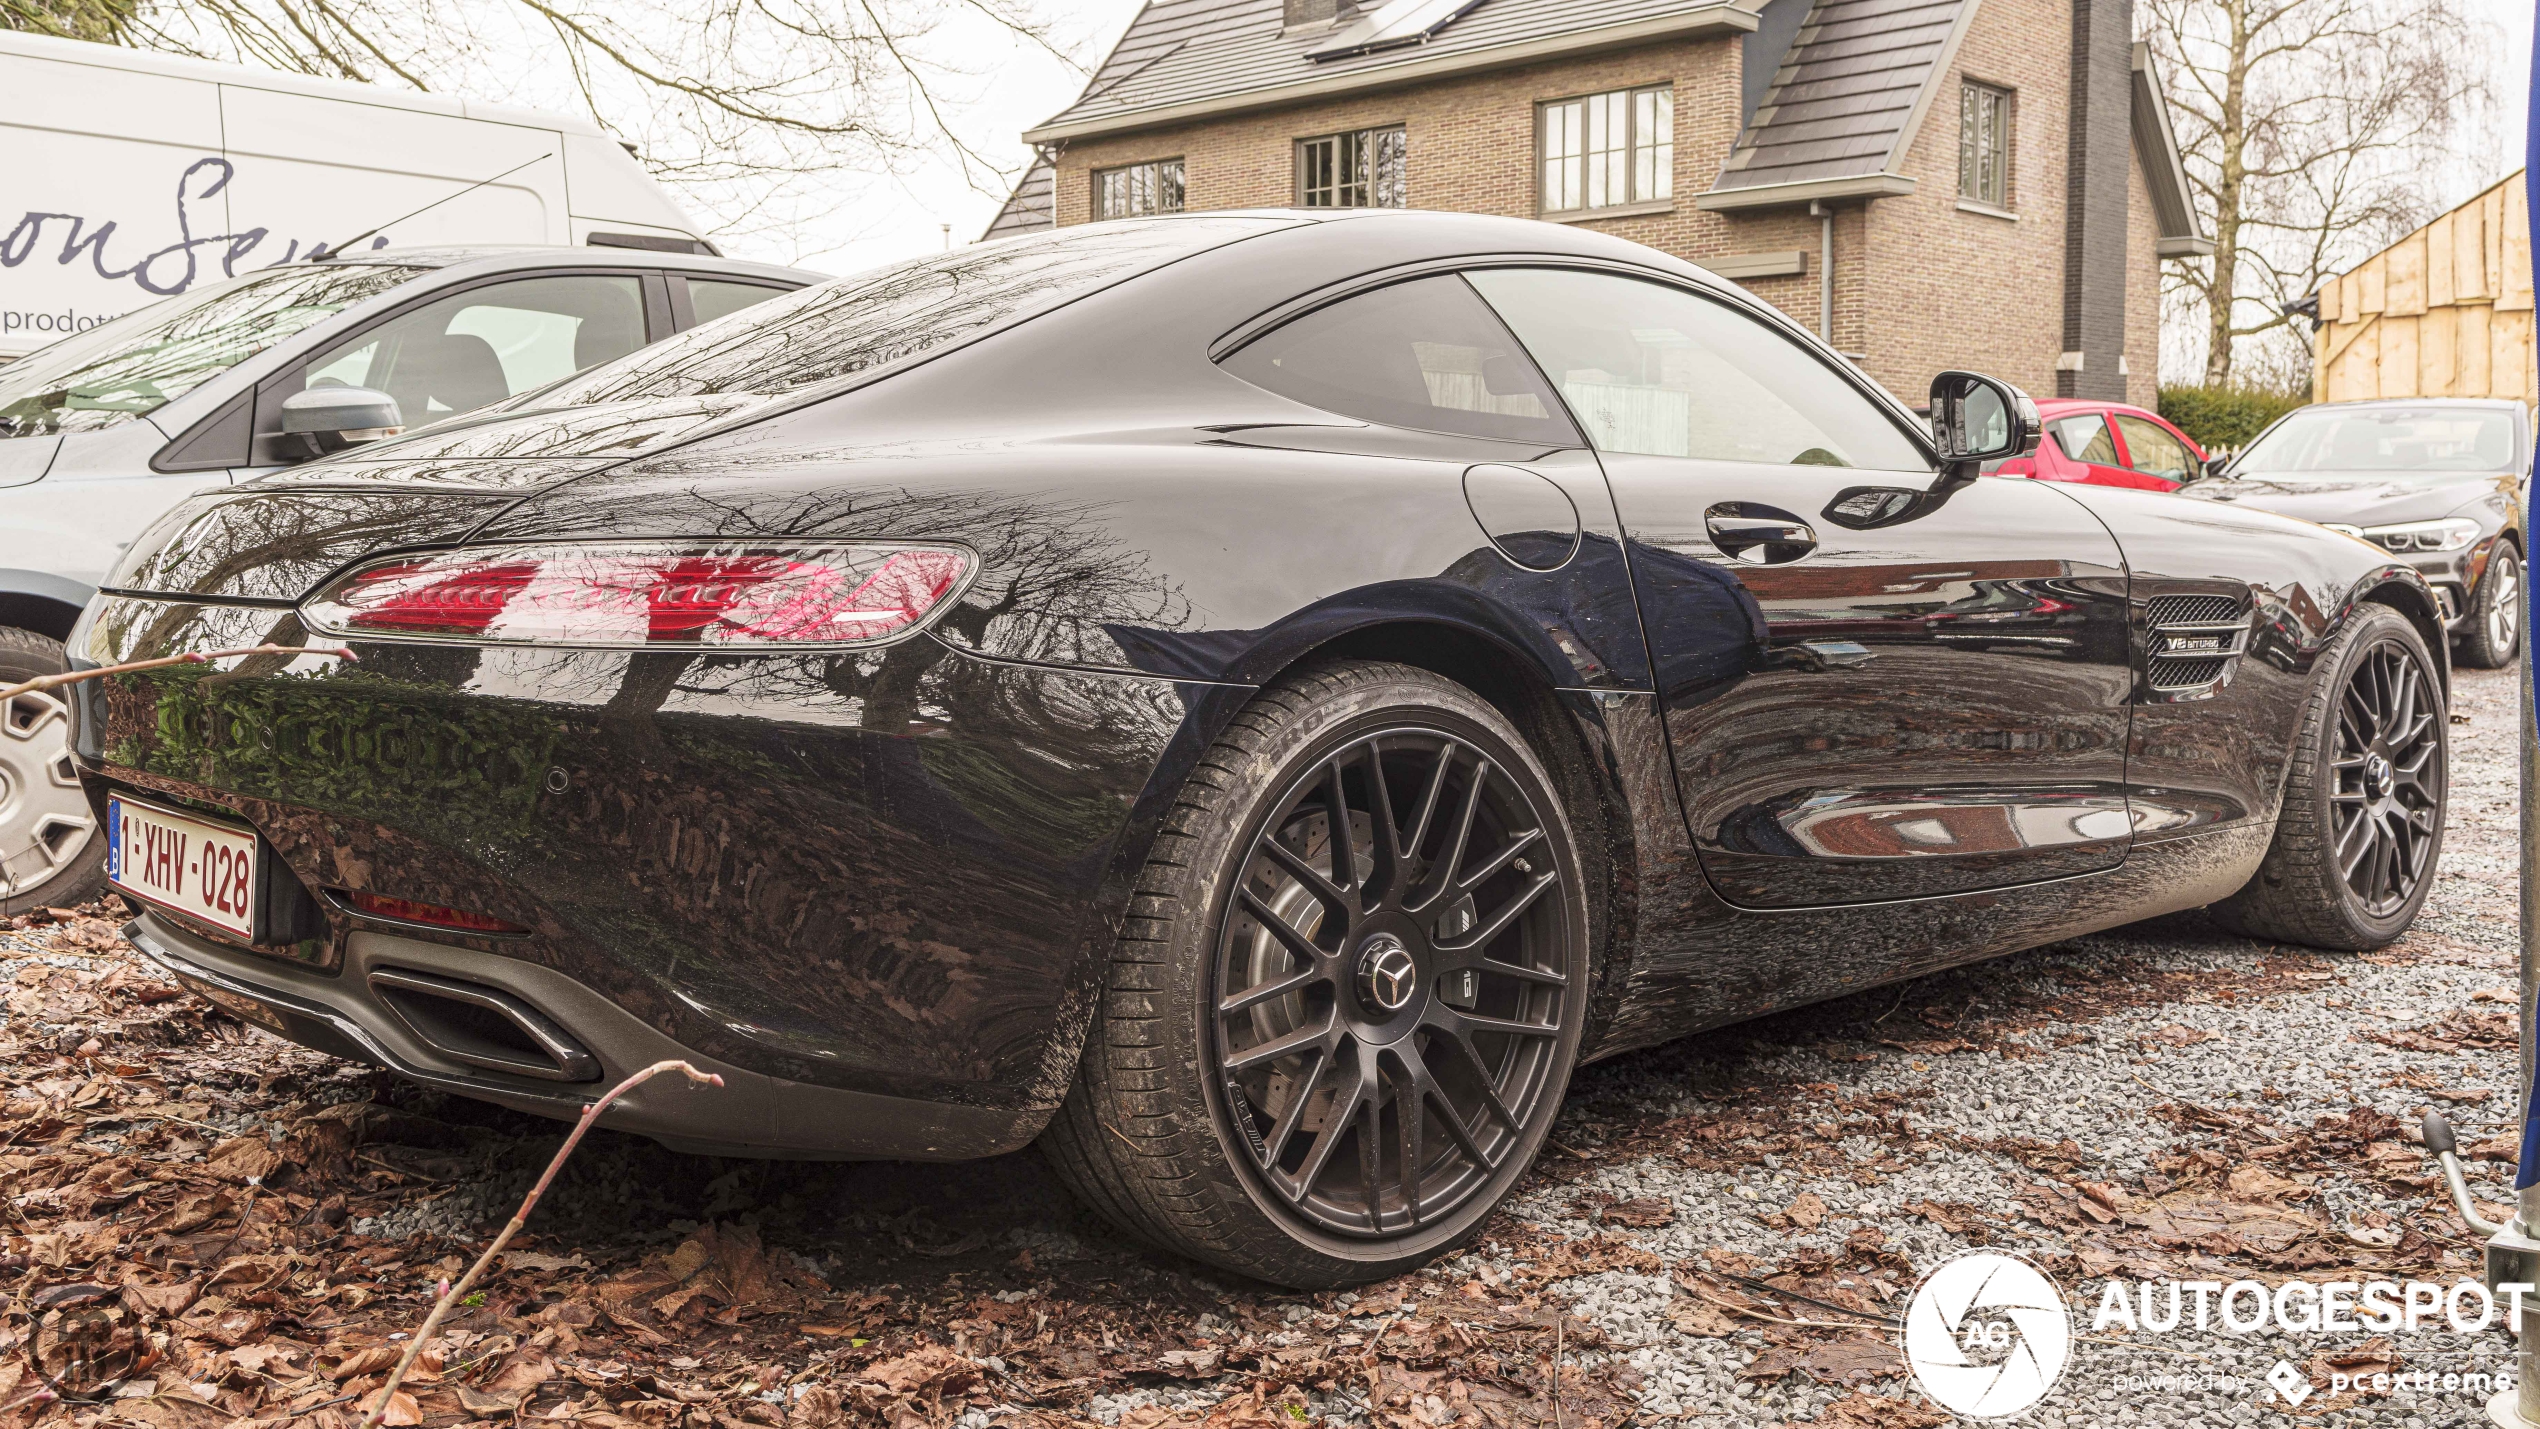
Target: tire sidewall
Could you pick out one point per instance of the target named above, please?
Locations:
(2378, 626)
(1399, 697)
(2476, 648)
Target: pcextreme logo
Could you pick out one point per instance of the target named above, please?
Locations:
(1987, 1334)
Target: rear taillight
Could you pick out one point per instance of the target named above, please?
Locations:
(649, 596)
(406, 910)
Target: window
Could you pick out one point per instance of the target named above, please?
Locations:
(1425, 354)
(1984, 145)
(116, 371)
(835, 330)
(709, 299)
(488, 343)
(1361, 169)
(2153, 451)
(2381, 439)
(2085, 438)
(1607, 150)
(1151, 187)
(1653, 369)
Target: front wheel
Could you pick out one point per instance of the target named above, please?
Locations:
(2494, 629)
(2362, 824)
(1342, 1014)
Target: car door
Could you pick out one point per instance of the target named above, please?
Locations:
(2088, 444)
(2157, 455)
(1872, 691)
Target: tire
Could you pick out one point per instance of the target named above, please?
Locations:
(2356, 844)
(52, 854)
(1188, 1127)
(2492, 636)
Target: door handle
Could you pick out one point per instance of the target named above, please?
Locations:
(1758, 535)
(1820, 656)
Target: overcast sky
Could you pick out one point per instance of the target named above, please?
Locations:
(1013, 86)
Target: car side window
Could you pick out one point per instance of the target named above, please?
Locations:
(709, 298)
(1657, 370)
(485, 344)
(2085, 438)
(2153, 449)
(1426, 354)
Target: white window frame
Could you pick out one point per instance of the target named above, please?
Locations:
(1606, 151)
(1134, 190)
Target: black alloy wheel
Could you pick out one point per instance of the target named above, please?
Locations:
(2387, 800)
(2493, 633)
(1353, 979)
(2361, 829)
(1391, 984)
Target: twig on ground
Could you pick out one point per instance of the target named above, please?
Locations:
(1560, 1323)
(191, 657)
(451, 1294)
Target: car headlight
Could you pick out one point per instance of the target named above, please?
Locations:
(651, 595)
(2449, 534)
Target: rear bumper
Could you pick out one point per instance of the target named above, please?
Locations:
(341, 1012)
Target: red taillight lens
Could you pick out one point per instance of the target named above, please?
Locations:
(408, 911)
(648, 596)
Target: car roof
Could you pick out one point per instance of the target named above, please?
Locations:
(512, 257)
(2049, 406)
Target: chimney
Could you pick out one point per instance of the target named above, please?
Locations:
(2095, 201)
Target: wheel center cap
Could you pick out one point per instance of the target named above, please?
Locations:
(2378, 775)
(1388, 977)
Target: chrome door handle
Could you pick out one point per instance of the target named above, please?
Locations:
(1758, 535)
(1819, 656)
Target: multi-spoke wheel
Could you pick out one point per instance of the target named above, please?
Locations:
(1352, 990)
(50, 852)
(2494, 633)
(2362, 824)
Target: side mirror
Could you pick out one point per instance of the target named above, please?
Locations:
(2214, 466)
(326, 420)
(1976, 419)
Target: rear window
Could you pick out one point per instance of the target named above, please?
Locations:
(804, 339)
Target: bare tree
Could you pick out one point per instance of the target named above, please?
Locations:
(744, 104)
(2313, 132)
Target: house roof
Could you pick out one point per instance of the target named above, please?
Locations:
(1191, 59)
(1033, 206)
(1845, 103)
(2156, 149)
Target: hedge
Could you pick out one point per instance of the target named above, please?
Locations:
(2226, 418)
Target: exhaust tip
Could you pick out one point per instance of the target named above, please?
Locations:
(483, 1027)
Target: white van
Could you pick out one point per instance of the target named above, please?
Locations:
(134, 177)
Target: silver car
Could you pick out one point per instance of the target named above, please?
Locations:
(103, 431)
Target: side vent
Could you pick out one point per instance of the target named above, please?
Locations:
(483, 1027)
(2192, 644)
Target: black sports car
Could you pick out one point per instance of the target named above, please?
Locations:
(1248, 700)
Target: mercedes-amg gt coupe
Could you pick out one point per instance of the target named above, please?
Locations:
(1249, 701)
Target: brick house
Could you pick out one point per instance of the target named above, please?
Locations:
(1930, 183)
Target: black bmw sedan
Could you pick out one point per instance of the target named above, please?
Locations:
(2438, 480)
(1250, 701)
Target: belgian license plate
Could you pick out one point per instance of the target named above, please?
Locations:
(199, 869)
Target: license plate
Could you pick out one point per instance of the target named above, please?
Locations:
(202, 870)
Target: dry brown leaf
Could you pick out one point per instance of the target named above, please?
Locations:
(1806, 1211)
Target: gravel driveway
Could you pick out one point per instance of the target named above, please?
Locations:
(1723, 1233)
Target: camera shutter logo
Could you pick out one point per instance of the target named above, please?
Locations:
(1987, 1335)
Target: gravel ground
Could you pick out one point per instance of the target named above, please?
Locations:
(1854, 1145)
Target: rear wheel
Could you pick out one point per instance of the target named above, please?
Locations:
(2362, 824)
(51, 853)
(1342, 1015)
(2493, 633)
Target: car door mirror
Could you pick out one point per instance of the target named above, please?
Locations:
(1976, 419)
(325, 420)
(2214, 467)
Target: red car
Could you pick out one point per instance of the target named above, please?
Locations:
(2108, 444)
